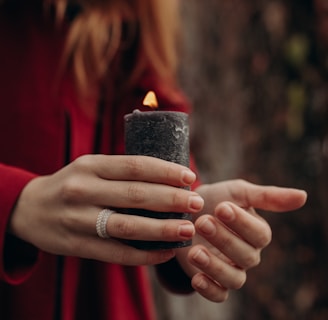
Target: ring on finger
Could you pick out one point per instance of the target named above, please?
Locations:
(101, 224)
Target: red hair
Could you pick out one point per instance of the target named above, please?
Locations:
(95, 36)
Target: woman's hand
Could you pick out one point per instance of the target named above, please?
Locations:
(58, 213)
(230, 234)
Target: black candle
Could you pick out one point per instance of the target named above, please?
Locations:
(164, 135)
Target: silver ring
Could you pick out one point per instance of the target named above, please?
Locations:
(102, 223)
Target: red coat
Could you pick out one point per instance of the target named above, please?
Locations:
(39, 124)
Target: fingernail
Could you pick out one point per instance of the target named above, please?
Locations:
(201, 258)
(201, 284)
(188, 177)
(226, 213)
(196, 202)
(207, 227)
(186, 230)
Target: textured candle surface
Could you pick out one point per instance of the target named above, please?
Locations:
(164, 135)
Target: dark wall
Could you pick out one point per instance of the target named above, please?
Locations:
(256, 73)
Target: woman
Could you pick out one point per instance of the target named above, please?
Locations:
(68, 76)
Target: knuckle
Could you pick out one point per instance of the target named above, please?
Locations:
(166, 231)
(152, 258)
(126, 228)
(122, 257)
(218, 297)
(134, 166)
(222, 297)
(225, 242)
(170, 171)
(239, 281)
(126, 256)
(220, 269)
(72, 190)
(155, 257)
(69, 221)
(239, 194)
(265, 237)
(243, 184)
(136, 193)
(82, 162)
(214, 292)
(252, 260)
(178, 200)
(241, 181)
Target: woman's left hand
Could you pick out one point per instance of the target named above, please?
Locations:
(230, 234)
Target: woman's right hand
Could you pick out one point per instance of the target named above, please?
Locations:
(58, 213)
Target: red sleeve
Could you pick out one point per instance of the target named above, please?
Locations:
(17, 257)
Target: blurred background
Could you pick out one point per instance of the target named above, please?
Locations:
(256, 72)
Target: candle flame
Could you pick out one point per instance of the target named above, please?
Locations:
(150, 100)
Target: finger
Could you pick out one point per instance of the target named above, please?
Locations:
(269, 198)
(131, 227)
(249, 226)
(113, 251)
(137, 168)
(236, 249)
(227, 275)
(208, 288)
(127, 194)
